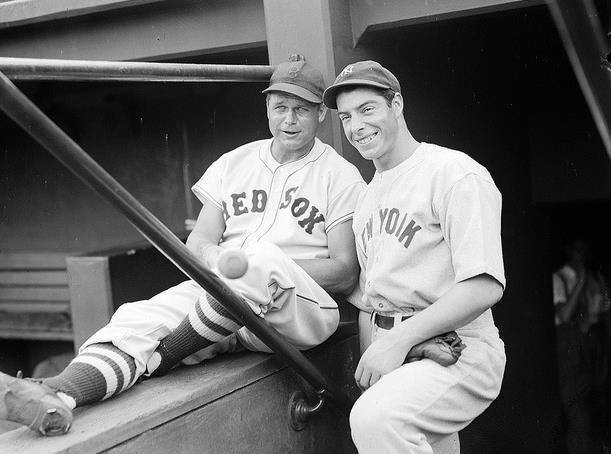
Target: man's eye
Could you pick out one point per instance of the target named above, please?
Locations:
(368, 109)
(343, 118)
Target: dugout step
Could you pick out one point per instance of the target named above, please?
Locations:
(233, 403)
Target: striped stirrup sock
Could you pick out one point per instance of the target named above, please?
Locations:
(208, 322)
(100, 371)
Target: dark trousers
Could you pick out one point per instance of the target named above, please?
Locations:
(582, 373)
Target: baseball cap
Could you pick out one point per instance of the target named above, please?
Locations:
(366, 73)
(298, 78)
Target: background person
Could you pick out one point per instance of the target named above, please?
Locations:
(581, 306)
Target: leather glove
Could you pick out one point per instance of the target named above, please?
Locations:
(444, 349)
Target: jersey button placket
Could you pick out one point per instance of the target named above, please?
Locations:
(273, 203)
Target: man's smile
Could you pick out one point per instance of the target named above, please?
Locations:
(366, 139)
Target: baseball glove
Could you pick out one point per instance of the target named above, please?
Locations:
(444, 349)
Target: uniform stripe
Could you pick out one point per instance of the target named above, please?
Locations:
(218, 307)
(202, 325)
(83, 382)
(221, 316)
(119, 364)
(102, 366)
(125, 359)
(308, 299)
(339, 220)
(115, 367)
(195, 323)
(199, 189)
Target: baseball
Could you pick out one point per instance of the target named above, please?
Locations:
(232, 263)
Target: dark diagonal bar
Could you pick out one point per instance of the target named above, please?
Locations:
(25, 113)
(587, 47)
(97, 70)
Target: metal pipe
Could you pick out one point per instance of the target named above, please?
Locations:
(97, 70)
(25, 113)
(587, 48)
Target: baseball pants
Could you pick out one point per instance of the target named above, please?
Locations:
(274, 287)
(422, 402)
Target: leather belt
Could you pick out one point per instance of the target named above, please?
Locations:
(386, 322)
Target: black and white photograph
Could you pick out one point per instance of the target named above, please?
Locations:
(305, 226)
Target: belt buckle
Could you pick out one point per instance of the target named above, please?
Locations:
(409, 311)
(381, 320)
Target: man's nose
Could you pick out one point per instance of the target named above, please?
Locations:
(356, 124)
(291, 117)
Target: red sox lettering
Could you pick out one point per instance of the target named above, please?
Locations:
(389, 224)
(256, 201)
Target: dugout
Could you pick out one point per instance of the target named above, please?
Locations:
(492, 80)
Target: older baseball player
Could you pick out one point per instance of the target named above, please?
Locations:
(428, 240)
(288, 203)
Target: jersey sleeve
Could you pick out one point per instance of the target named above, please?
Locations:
(470, 219)
(559, 289)
(342, 203)
(209, 186)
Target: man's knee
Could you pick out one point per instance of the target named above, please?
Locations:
(369, 419)
(375, 422)
(129, 313)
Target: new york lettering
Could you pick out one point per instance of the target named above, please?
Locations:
(392, 222)
(256, 201)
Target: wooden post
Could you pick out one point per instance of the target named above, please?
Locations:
(304, 27)
(91, 302)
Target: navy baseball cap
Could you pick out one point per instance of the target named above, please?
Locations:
(362, 73)
(298, 78)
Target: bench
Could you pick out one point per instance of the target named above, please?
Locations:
(34, 296)
(56, 296)
(232, 403)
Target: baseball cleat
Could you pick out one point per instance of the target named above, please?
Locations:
(33, 404)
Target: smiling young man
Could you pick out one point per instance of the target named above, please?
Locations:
(287, 202)
(428, 240)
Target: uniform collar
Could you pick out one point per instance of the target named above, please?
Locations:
(265, 154)
(416, 157)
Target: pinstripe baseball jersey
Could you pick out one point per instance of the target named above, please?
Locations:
(292, 205)
(431, 221)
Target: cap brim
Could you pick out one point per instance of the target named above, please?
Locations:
(330, 95)
(294, 90)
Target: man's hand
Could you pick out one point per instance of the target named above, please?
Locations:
(381, 357)
(206, 235)
(384, 356)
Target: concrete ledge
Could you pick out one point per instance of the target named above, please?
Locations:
(189, 409)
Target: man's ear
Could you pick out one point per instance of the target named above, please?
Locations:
(322, 113)
(397, 104)
(267, 106)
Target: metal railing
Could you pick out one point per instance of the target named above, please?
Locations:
(25, 113)
(95, 70)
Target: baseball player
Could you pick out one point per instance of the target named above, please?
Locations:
(427, 230)
(288, 203)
